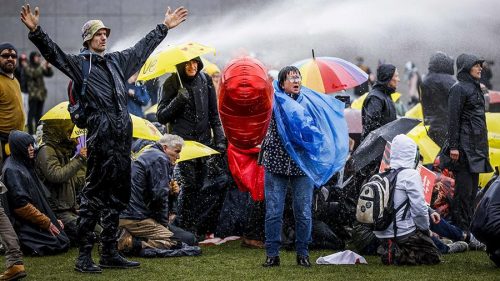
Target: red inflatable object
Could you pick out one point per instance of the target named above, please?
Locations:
(246, 173)
(245, 102)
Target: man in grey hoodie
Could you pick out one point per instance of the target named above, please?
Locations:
(411, 244)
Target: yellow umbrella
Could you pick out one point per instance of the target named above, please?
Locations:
(428, 148)
(143, 129)
(152, 110)
(192, 149)
(165, 61)
(358, 103)
(415, 112)
(58, 112)
(209, 67)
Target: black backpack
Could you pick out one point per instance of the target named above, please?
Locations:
(376, 201)
(76, 106)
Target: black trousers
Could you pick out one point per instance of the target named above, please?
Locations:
(34, 114)
(462, 205)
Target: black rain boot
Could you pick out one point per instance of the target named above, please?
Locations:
(303, 261)
(271, 261)
(111, 258)
(84, 262)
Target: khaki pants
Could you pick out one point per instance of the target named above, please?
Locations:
(154, 234)
(13, 253)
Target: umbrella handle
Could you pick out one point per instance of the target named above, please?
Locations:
(180, 81)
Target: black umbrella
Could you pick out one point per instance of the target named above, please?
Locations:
(372, 147)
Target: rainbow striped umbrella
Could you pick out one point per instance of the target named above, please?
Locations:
(330, 74)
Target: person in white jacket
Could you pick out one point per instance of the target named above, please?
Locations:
(412, 243)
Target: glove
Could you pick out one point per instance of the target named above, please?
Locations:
(220, 147)
(183, 94)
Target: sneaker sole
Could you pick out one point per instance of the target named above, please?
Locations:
(83, 271)
(18, 276)
(118, 267)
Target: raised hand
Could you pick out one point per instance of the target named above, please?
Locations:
(173, 19)
(28, 18)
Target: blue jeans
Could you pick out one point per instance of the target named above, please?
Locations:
(275, 192)
(445, 229)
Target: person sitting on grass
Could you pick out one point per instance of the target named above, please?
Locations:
(40, 232)
(145, 222)
(411, 244)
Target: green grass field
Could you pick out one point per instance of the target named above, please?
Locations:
(231, 262)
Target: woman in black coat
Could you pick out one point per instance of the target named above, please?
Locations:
(467, 137)
(39, 231)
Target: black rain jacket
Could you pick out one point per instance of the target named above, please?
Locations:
(109, 125)
(378, 108)
(25, 187)
(435, 88)
(151, 175)
(196, 118)
(467, 121)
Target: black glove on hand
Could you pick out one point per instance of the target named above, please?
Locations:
(183, 94)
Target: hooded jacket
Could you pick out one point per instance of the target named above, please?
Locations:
(34, 74)
(408, 187)
(105, 103)
(196, 117)
(151, 175)
(378, 107)
(435, 88)
(27, 196)
(467, 121)
(63, 174)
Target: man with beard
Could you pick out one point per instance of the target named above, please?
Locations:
(104, 103)
(11, 105)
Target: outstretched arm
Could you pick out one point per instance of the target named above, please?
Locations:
(28, 18)
(132, 59)
(50, 51)
(173, 19)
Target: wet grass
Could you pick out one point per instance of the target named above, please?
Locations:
(231, 262)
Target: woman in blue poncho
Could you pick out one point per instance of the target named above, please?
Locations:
(306, 143)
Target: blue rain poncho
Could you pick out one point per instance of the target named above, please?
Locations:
(314, 132)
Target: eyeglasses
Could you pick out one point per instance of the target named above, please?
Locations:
(294, 79)
(7, 56)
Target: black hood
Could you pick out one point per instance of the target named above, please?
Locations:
(385, 73)
(441, 63)
(32, 57)
(181, 69)
(19, 142)
(465, 62)
(55, 132)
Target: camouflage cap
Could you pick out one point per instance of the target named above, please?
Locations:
(91, 27)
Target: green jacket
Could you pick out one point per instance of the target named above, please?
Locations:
(34, 79)
(63, 175)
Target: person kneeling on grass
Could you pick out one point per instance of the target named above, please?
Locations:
(145, 222)
(411, 244)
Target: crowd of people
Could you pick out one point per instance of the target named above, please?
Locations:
(56, 196)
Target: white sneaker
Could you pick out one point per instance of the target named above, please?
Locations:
(458, 247)
(476, 245)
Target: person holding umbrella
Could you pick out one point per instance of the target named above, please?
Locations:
(378, 107)
(108, 185)
(189, 105)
